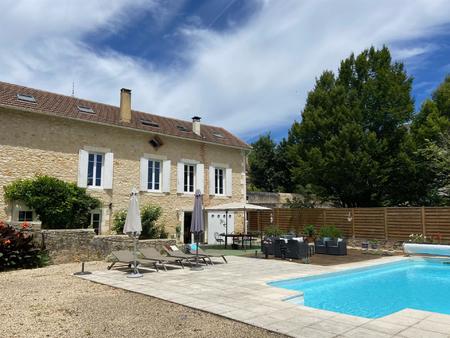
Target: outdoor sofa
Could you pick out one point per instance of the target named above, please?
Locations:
(330, 246)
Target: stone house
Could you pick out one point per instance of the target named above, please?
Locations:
(109, 150)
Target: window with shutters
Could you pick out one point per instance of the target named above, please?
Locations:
(154, 175)
(95, 170)
(219, 181)
(189, 178)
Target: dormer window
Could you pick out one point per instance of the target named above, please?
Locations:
(218, 135)
(149, 123)
(26, 98)
(184, 129)
(85, 109)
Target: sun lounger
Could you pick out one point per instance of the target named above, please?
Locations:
(126, 257)
(209, 256)
(154, 255)
(174, 251)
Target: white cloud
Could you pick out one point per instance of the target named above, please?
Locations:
(251, 79)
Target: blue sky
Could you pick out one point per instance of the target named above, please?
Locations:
(246, 65)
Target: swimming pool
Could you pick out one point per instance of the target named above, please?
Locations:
(374, 292)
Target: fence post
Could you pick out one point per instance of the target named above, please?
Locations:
(386, 236)
(353, 222)
(423, 221)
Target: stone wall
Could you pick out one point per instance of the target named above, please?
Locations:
(76, 245)
(33, 144)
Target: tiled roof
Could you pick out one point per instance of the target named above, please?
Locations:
(67, 106)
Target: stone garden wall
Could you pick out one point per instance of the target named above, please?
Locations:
(75, 245)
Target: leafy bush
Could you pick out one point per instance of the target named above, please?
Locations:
(273, 231)
(330, 231)
(149, 215)
(58, 204)
(310, 230)
(17, 249)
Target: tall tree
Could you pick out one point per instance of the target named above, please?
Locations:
(352, 144)
(262, 166)
(431, 133)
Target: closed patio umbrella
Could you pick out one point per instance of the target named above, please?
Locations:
(133, 227)
(197, 224)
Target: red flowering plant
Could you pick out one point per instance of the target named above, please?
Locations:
(17, 249)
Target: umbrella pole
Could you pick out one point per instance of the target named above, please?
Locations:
(135, 273)
(197, 266)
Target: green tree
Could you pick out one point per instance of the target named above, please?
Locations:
(262, 166)
(58, 204)
(352, 143)
(431, 133)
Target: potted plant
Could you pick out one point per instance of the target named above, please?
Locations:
(310, 232)
(330, 232)
(365, 245)
(374, 243)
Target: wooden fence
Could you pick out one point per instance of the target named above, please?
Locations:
(365, 223)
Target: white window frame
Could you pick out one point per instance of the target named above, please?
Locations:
(102, 173)
(216, 181)
(96, 212)
(152, 179)
(186, 184)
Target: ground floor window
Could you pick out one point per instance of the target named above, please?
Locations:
(25, 216)
(96, 221)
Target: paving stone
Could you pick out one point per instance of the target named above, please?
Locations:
(308, 332)
(433, 326)
(414, 332)
(361, 332)
(332, 326)
(384, 326)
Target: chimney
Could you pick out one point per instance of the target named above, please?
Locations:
(125, 105)
(196, 125)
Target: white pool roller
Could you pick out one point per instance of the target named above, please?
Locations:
(426, 249)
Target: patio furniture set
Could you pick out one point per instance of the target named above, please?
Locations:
(299, 248)
(152, 258)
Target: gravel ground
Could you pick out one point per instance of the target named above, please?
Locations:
(49, 302)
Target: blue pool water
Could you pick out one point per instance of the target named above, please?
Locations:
(380, 290)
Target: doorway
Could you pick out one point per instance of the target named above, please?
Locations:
(187, 227)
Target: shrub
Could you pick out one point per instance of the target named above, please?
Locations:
(310, 230)
(58, 204)
(17, 249)
(273, 231)
(330, 231)
(149, 216)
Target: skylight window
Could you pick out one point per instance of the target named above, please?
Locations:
(217, 134)
(26, 98)
(181, 128)
(149, 123)
(85, 109)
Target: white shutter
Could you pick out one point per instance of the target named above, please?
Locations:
(82, 168)
(144, 174)
(166, 175)
(180, 177)
(212, 180)
(200, 173)
(109, 171)
(229, 182)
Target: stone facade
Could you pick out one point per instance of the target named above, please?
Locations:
(33, 144)
(77, 245)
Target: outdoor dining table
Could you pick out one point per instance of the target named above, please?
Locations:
(243, 237)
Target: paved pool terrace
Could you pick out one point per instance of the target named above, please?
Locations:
(239, 291)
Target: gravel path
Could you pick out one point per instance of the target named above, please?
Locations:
(49, 302)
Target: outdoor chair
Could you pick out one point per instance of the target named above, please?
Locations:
(320, 246)
(297, 249)
(155, 255)
(267, 245)
(219, 238)
(127, 258)
(280, 248)
(337, 247)
(174, 251)
(202, 253)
